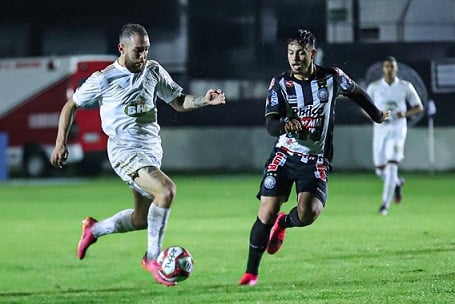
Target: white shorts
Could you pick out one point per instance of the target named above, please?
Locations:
(388, 145)
(127, 159)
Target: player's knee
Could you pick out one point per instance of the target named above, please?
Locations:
(316, 210)
(168, 192)
(267, 217)
(308, 214)
(269, 208)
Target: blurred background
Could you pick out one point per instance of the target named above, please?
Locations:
(49, 47)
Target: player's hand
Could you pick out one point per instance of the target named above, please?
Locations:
(215, 97)
(385, 115)
(292, 125)
(59, 156)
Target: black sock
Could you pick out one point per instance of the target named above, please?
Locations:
(291, 220)
(259, 237)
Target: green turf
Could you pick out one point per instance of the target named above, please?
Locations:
(350, 255)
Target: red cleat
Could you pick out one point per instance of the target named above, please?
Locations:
(153, 267)
(87, 237)
(276, 235)
(249, 279)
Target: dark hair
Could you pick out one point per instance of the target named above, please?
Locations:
(130, 29)
(390, 59)
(304, 38)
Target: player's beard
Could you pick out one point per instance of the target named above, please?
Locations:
(134, 66)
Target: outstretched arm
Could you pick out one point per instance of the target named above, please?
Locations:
(366, 103)
(185, 103)
(60, 153)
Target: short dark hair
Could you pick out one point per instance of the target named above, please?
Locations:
(303, 38)
(390, 59)
(130, 29)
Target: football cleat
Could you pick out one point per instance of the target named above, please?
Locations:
(87, 237)
(383, 210)
(154, 268)
(398, 195)
(249, 279)
(277, 235)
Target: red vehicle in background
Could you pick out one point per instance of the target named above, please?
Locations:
(33, 91)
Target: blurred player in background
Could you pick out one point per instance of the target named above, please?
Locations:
(300, 112)
(393, 94)
(127, 91)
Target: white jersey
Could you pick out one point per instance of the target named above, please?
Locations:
(393, 97)
(389, 137)
(128, 101)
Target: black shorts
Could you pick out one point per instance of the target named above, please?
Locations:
(282, 170)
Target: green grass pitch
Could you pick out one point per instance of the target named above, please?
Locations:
(350, 255)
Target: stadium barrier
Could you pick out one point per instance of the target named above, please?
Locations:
(247, 149)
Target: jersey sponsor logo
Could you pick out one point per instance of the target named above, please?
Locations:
(269, 182)
(312, 123)
(289, 83)
(278, 160)
(345, 81)
(273, 99)
(312, 119)
(311, 111)
(321, 173)
(136, 108)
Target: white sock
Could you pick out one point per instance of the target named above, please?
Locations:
(119, 222)
(390, 181)
(157, 220)
(380, 173)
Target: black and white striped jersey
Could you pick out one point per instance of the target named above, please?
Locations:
(313, 103)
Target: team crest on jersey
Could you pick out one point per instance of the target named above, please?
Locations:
(136, 108)
(323, 94)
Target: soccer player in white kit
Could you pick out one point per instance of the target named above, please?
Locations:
(400, 97)
(126, 92)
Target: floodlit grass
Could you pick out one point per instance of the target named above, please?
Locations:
(350, 255)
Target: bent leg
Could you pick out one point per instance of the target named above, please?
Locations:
(308, 209)
(125, 220)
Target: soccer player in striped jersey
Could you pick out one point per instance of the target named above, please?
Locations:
(392, 93)
(299, 111)
(126, 92)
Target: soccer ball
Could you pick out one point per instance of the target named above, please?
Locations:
(176, 264)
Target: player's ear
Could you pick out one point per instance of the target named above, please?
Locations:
(313, 53)
(121, 48)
